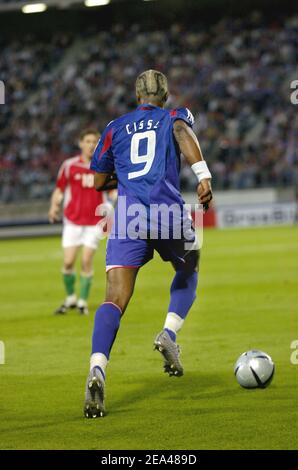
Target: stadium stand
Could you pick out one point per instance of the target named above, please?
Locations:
(234, 76)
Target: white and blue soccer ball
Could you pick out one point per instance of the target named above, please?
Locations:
(254, 369)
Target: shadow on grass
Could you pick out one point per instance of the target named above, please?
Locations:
(162, 390)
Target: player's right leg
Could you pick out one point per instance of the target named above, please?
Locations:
(120, 286)
(69, 277)
(71, 242)
(183, 294)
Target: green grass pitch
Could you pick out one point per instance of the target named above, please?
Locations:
(247, 298)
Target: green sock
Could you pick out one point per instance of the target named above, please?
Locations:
(85, 284)
(69, 282)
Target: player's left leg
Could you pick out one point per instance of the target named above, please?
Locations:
(123, 260)
(120, 286)
(86, 277)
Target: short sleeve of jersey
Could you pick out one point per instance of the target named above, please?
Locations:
(62, 179)
(184, 114)
(103, 159)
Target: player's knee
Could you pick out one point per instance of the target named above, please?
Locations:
(117, 299)
(191, 262)
(184, 279)
(68, 266)
(86, 265)
(118, 296)
(196, 259)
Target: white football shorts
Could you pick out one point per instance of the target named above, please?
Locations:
(81, 235)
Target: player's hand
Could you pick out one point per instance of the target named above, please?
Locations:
(53, 214)
(205, 193)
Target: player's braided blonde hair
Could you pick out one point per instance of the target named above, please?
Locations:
(152, 84)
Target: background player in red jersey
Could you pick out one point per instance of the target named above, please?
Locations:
(75, 187)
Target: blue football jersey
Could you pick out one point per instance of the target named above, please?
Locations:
(140, 147)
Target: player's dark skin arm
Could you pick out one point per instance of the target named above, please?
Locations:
(189, 146)
(104, 181)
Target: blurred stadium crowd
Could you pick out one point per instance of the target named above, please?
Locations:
(234, 76)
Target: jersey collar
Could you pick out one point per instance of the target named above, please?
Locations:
(146, 107)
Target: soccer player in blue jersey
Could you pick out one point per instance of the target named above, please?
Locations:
(140, 154)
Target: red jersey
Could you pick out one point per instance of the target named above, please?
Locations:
(76, 181)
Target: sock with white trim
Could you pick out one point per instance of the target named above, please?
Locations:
(106, 325)
(183, 294)
(173, 324)
(100, 361)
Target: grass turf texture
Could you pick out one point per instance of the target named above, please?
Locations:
(247, 298)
